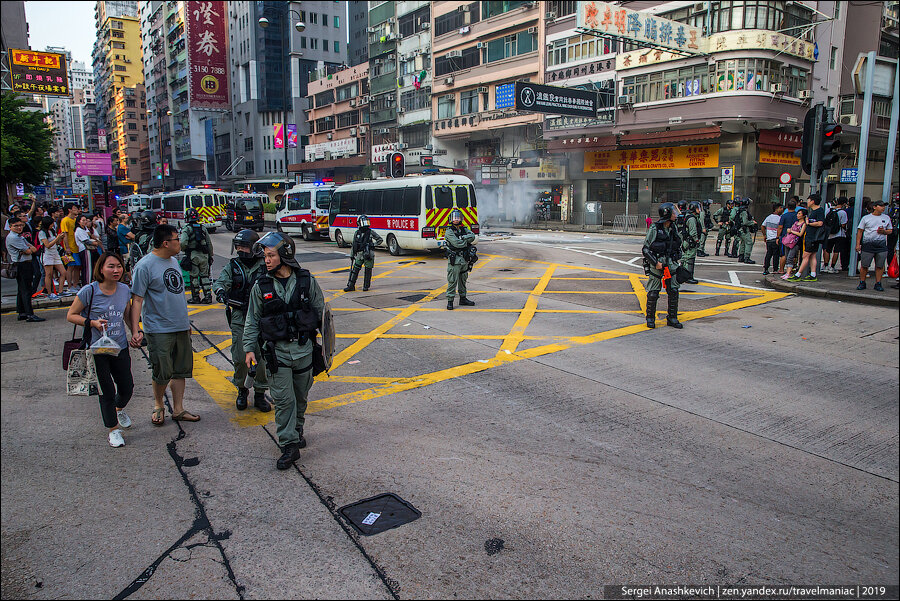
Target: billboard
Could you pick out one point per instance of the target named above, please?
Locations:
(608, 19)
(552, 99)
(93, 163)
(279, 135)
(292, 135)
(703, 156)
(207, 44)
(33, 72)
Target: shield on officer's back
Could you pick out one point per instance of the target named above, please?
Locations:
(327, 330)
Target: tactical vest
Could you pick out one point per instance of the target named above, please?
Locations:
(685, 232)
(287, 321)
(363, 242)
(196, 239)
(667, 242)
(241, 284)
(453, 252)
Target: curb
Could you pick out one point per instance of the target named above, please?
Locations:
(888, 300)
(37, 303)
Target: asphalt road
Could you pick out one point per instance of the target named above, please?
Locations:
(552, 444)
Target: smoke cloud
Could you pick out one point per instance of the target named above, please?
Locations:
(510, 202)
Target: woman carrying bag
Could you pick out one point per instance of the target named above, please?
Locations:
(109, 303)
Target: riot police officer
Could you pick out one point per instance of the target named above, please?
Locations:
(706, 224)
(144, 236)
(198, 253)
(662, 249)
(232, 289)
(286, 307)
(721, 218)
(734, 229)
(460, 252)
(362, 253)
(690, 232)
(747, 227)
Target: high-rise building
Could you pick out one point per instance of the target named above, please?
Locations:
(15, 34)
(414, 79)
(358, 21)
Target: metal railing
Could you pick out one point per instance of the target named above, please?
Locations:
(629, 224)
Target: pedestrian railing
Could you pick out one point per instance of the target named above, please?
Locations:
(629, 224)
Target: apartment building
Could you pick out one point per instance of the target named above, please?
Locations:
(414, 80)
(357, 22)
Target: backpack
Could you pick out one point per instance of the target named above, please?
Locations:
(833, 222)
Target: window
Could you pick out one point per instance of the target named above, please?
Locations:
(492, 9)
(416, 137)
(468, 102)
(447, 106)
(687, 188)
(337, 46)
(462, 197)
(337, 22)
(348, 119)
(443, 197)
(416, 99)
(445, 64)
(456, 19)
(132, 126)
(132, 138)
(511, 45)
(324, 98)
(579, 47)
(372, 205)
(833, 62)
(314, 18)
(561, 9)
(325, 45)
(298, 201)
(412, 23)
(196, 201)
(303, 41)
(314, 42)
(347, 92)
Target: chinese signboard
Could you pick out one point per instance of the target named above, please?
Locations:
(380, 152)
(315, 152)
(666, 157)
(728, 41)
(207, 54)
(779, 157)
(848, 176)
(558, 101)
(38, 72)
(93, 163)
(609, 19)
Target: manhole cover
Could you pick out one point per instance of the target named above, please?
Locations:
(377, 514)
(9, 346)
(412, 298)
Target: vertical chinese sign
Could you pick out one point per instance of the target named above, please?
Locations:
(207, 54)
(38, 72)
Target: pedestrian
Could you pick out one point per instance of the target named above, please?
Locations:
(232, 289)
(86, 244)
(894, 213)
(362, 253)
(661, 251)
(105, 306)
(813, 238)
(20, 252)
(788, 218)
(793, 242)
(198, 256)
(838, 241)
(689, 231)
(53, 265)
(68, 225)
(124, 234)
(460, 241)
(143, 233)
(286, 307)
(871, 243)
(770, 227)
(158, 301)
(112, 236)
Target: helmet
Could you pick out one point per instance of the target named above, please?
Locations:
(280, 242)
(148, 219)
(666, 210)
(682, 206)
(192, 216)
(456, 215)
(244, 238)
(694, 206)
(747, 201)
(362, 221)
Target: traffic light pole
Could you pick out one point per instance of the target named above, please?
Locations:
(817, 149)
(861, 159)
(627, 187)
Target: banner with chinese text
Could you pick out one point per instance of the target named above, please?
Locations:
(207, 54)
(666, 157)
(35, 72)
(779, 157)
(613, 20)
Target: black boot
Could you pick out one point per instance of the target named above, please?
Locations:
(302, 443)
(207, 297)
(290, 454)
(652, 298)
(351, 283)
(241, 401)
(734, 249)
(718, 246)
(195, 296)
(672, 317)
(464, 301)
(260, 401)
(450, 303)
(749, 261)
(367, 278)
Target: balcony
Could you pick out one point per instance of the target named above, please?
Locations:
(379, 48)
(383, 83)
(389, 114)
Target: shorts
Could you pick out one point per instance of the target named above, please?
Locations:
(834, 244)
(865, 258)
(76, 259)
(54, 260)
(810, 246)
(171, 355)
(792, 254)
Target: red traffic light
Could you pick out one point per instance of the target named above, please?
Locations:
(832, 130)
(396, 167)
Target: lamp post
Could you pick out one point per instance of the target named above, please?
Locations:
(162, 168)
(285, 69)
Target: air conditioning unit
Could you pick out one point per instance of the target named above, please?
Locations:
(390, 98)
(483, 90)
(551, 15)
(804, 94)
(532, 30)
(449, 97)
(426, 25)
(352, 131)
(699, 6)
(481, 45)
(353, 102)
(777, 88)
(625, 100)
(392, 36)
(362, 129)
(378, 61)
(370, 30)
(448, 81)
(384, 130)
(454, 54)
(851, 119)
(400, 109)
(329, 136)
(402, 146)
(463, 9)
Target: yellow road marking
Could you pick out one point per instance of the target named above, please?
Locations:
(340, 293)
(512, 340)
(639, 292)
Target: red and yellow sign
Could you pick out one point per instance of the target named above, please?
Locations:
(35, 72)
(701, 156)
(779, 157)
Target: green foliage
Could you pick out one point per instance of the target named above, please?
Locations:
(269, 207)
(26, 142)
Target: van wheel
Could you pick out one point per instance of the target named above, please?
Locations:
(228, 226)
(307, 237)
(212, 230)
(393, 247)
(339, 239)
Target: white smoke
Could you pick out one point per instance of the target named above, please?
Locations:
(510, 202)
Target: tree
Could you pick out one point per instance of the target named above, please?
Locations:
(26, 142)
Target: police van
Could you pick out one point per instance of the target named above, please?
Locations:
(304, 210)
(135, 202)
(411, 212)
(210, 204)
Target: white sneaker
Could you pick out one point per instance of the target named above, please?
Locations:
(115, 438)
(124, 420)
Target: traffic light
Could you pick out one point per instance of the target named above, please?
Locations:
(831, 146)
(622, 178)
(396, 165)
(809, 138)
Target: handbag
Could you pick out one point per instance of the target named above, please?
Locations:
(76, 344)
(894, 268)
(81, 375)
(790, 240)
(9, 270)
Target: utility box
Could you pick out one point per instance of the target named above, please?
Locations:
(592, 215)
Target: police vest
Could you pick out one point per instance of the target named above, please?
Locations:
(686, 233)
(197, 239)
(241, 284)
(287, 321)
(667, 242)
(362, 242)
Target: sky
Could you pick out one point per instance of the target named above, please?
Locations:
(66, 24)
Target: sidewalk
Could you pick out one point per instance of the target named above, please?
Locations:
(840, 287)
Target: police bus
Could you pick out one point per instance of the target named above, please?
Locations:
(304, 210)
(410, 212)
(210, 204)
(135, 202)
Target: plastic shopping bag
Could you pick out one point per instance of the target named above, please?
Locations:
(81, 376)
(105, 346)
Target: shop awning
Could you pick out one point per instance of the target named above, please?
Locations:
(354, 161)
(653, 138)
(582, 143)
(771, 139)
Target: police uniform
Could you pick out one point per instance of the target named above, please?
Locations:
(662, 245)
(232, 288)
(362, 253)
(746, 229)
(198, 248)
(721, 217)
(690, 240)
(706, 224)
(283, 315)
(734, 230)
(459, 240)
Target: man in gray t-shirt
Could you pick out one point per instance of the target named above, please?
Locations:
(156, 280)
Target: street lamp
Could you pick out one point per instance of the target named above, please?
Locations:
(300, 26)
(162, 169)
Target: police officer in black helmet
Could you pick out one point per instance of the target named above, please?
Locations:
(144, 236)
(662, 249)
(232, 289)
(286, 307)
(362, 253)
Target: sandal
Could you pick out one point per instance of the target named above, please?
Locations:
(158, 417)
(185, 416)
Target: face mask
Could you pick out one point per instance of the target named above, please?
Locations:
(246, 258)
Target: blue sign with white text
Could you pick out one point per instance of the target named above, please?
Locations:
(848, 176)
